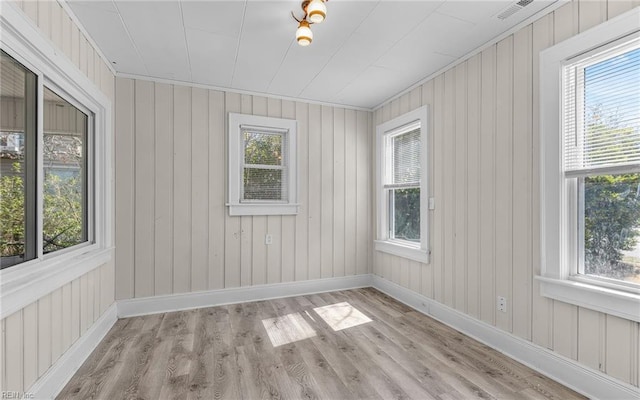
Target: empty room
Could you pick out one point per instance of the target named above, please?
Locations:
(320, 199)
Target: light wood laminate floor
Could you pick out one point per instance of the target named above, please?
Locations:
(382, 350)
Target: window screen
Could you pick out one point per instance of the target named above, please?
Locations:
(264, 166)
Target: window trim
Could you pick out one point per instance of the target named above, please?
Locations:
(556, 241)
(237, 206)
(26, 282)
(402, 248)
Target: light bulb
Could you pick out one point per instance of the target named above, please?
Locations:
(304, 34)
(316, 11)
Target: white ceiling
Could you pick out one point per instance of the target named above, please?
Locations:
(364, 53)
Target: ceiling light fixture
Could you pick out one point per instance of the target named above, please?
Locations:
(314, 13)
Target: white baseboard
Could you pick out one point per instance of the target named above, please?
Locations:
(210, 298)
(591, 383)
(53, 381)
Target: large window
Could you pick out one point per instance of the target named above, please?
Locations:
(591, 202)
(262, 165)
(401, 185)
(44, 177)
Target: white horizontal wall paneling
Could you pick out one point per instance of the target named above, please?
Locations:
(484, 174)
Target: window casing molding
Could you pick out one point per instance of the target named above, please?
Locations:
(280, 126)
(402, 248)
(560, 247)
(25, 283)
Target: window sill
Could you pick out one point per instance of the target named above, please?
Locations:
(609, 301)
(262, 209)
(24, 284)
(400, 250)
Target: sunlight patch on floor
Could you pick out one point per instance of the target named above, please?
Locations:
(341, 316)
(287, 329)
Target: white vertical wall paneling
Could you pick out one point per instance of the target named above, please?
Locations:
(487, 173)
(246, 222)
(82, 55)
(619, 336)
(67, 308)
(302, 260)
(363, 127)
(75, 45)
(503, 179)
(590, 340)
(163, 189)
(326, 199)
(448, 193)
(84, 303)
(591, 13)
(339, 199)
(67, 26)
(14, 351)
(460, 199)
(350, 224)
(44, 334)
(56, 24)
(30, 340)
(427, 270)
(217, 192)
(56, 324)
(437, 172)
(522, 125)
(75, 314)
(233, 229)
(125, 195)
(182, 189)
(44, 17)
(144, 216)
(315, 189)
(541, 307)
(288, 224)
(199, 189)
(274, 222)
(473, 186)
(31, 10)
(259, 248)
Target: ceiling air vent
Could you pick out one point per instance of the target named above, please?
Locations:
(514, 8)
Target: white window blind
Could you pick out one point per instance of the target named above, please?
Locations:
(403, 158)
(601, 120)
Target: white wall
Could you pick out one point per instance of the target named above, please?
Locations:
(485, 230)
(33, 338)
(173, 231)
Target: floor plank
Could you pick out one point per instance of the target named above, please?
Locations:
(226, 353)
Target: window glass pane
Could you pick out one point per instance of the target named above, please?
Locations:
(406, 214)
(406, 157)
(607, 111)
(65, 174)
(612, 226)
(17, 162)
(262, 148)
(263, 184)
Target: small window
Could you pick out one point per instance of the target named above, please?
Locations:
(262, 167)
(402, 196)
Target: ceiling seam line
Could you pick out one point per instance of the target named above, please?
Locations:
(135, 46)
(186, 43)
(235, 60)
(280, 66)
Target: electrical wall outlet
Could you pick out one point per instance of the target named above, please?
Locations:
(268, 239)
(502, 304)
